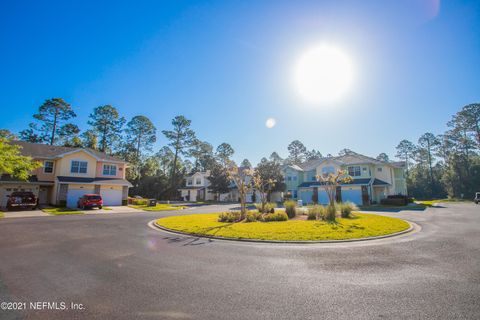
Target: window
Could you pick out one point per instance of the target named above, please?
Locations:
(198, 181)
(189, 182)
(289, 178)
(327, 170)
(294, 194)
(354, 171)
(379, 169)
(109, 170)
(294, 178)
(47, 166)
(79, 166)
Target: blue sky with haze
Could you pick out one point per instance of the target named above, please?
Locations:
(228, 66)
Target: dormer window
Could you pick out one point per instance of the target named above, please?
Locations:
(48, 167)
(109, 170)
(78, 166)
(198, 181)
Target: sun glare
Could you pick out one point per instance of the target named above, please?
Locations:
(323, 74)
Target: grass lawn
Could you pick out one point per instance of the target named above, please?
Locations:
(61, 211)
(1, 214)
(360, 226)
(158, 207)
(430, 203)
(381, 207)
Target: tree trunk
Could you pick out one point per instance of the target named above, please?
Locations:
(52, 140)
(174, 169)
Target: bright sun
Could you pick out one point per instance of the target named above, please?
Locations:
(323, 74)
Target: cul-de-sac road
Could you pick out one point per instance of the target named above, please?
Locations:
(116, 267)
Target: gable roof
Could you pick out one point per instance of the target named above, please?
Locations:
(348, 159)
(45, 151)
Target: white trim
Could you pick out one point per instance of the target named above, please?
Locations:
(90, 153)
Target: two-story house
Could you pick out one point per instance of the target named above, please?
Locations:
(373, 180)
(67, 174)
(196, 188)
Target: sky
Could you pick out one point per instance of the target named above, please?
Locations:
(228, 66)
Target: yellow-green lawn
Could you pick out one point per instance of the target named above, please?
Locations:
(360, 226)
(158, 207)
(430, 203)
(61, 211)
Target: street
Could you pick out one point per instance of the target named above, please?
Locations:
(116, 267)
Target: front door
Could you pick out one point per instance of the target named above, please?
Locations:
(338, 194)
(365, 198)
(43, 195)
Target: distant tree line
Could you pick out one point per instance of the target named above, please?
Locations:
(446, 164)
(438, 165)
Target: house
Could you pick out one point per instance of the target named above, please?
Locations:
(373, 180)
(67, 174)
(196, 189)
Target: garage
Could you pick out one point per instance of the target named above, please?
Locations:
(75, 192)
(352, 194)
(111, 195)
(6, 190)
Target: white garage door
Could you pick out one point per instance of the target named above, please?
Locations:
(111, 197)
(74, 194)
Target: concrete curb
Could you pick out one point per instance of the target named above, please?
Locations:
(413, 227)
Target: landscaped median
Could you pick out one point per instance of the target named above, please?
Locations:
(359, 226)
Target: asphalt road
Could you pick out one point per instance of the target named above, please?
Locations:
(119, 268)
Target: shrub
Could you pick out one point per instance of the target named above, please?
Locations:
(277, 216)
(269, 207)
(330, 213)
(139, 202)
(290, 207)
(253, 216)
(393, 202)
(316, 212)
(229, 216)
(346, 209)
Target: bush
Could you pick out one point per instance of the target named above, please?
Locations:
(229, 216)
(346, 209)
(394, 202)
(316, 212)
(268, 208)
(330, 213)
(139, 202)
(277, 216)
(253, 216)
(290, 207)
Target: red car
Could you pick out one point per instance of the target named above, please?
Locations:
(22, 200)
(90, 201)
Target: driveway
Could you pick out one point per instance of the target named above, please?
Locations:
(25, 214)
(118, 268)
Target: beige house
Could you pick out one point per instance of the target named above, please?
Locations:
(67, 174)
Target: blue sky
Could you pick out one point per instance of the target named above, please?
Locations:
(228, 65)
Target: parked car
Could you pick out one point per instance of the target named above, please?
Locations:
(90, 201)
(477, 197)
(22, 200)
